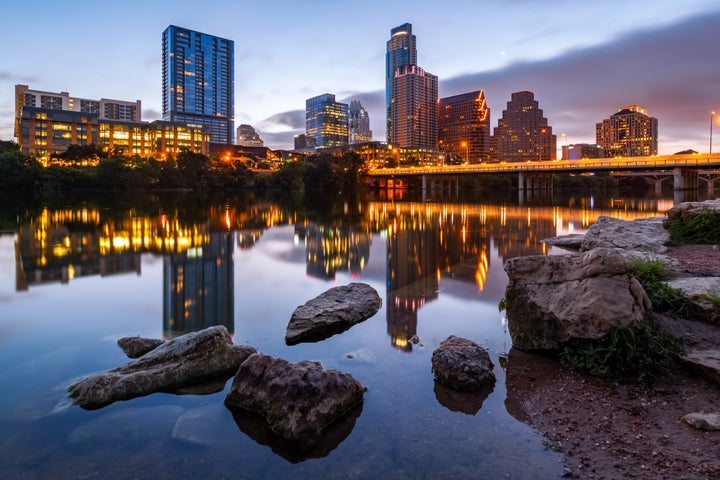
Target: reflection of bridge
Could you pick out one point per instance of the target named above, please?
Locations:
(538, 175)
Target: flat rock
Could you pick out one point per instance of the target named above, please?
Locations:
(699, 291)
(462, 364)
(703, 421)
(645, 234)
(551, 300)
(706, 362)
(572, 241)
(296, 399)
(686, 211)
(331, 312)
(135, 347)
(191, 358)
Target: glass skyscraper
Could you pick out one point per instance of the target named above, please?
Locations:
(198, 79)
(401, 51)
(326, 122)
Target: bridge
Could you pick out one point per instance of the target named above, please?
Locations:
(686, 169)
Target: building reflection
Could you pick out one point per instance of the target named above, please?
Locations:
(329, 249)
(198, 287)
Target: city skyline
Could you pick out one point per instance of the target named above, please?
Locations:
(656, 55)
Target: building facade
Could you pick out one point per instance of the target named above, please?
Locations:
(45, 131)
(523, 133)
(578, 151)
(401, 50)
(104, 108)
(464, 127)
(326, 122)
(630, 132)
(414, 108)
(248, 137)
(358, 123)
(198, 81)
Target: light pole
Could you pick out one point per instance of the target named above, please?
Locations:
(712, 117)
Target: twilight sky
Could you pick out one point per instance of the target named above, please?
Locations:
(583, 59)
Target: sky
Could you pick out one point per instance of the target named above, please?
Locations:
(584, 60)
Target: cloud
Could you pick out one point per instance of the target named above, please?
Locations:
(153, 61)
(279, 140)
(9, 76)
(294, 119)
(150, 114)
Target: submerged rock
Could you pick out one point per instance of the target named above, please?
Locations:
(462, 364)
(296, 399)
(128, 425)
(191, 358)
(331, 312)
(551, 300)
(135, 347)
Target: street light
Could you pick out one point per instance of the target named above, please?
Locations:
(465, 146)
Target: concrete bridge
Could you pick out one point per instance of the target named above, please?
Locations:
(686, 170)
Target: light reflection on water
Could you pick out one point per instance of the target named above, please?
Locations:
(74, 280)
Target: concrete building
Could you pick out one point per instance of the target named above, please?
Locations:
(414, 108)
(248, 137)
(464, 127)
(630, 132)
(523, 133)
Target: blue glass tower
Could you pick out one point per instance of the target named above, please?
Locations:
(401, 51)
(198, 81)
(326, 122)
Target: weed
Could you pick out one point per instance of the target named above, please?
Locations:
(652, 275)
(701, 228)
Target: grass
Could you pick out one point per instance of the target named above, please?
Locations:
(701, 228)
(653, 275)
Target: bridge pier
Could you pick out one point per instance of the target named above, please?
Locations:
(686, 179)
(709, 179)
(535, 181)
(441, 185)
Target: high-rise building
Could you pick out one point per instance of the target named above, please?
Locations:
(523, 133)
(630, 132)
(414, 108)
(359, 123)
(464, 127)
(326, 122)
(198, 81)
(248, 137)
(105, 109)
(401, 50)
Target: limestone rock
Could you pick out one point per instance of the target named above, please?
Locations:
(645, 234)
(296, 399)
(135, 347)
(703, 421)
(706, 362)
(551, 300)
(572, 241)
(688, 210)
(700, 290)
(331, 312)
(462, 364)
(190, 358)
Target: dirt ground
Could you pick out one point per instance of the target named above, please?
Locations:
(624, 431)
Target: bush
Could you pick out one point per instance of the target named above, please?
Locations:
(636, 352)
(701, 228)
(652, 275)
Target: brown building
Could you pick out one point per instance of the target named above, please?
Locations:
(631, 132)
(413, 108)
(464, 127)
(523, 133)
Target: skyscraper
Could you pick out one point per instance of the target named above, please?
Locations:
(414, 108)
(248, 137)
(464, 127)
(326, 122)
(359, 123)
(523, 133)
(630, 132)
(198, 81)
(400, 51)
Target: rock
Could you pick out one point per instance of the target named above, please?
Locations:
(331, 312)
(128, 425)
(202, 426)
(703, 421)
(700, 291)
(688, 210)
(572, 242)
(296, 399)
(706, 362)
(645, 234)
(135, 347)
(551, 300)
(191, 358)
(462, 364)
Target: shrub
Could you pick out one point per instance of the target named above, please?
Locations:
(703, 227)
(652, 275)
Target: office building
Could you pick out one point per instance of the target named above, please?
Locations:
(105, 108)
(401, 50)
(198, 81)
(326, 122)
(464, 128)
(578, 151)
(414, 108)
(630, 132)
(248, 137)
(358, 123)
(523, 133)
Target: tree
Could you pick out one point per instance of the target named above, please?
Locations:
(18, 170)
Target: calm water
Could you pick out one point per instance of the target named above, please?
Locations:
(77, 275)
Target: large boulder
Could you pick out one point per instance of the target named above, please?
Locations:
(191, 358)
(551, 300)
(462, 364)
(331, 312)
(686, 211)
(645, 234)
(296, 399)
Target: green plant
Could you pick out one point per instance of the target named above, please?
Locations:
(653, 275)
(636, 352)
(502, 305)
(703, 227)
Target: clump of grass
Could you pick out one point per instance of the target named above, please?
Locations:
(637, 352)
(653, 275)
(703, 227)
